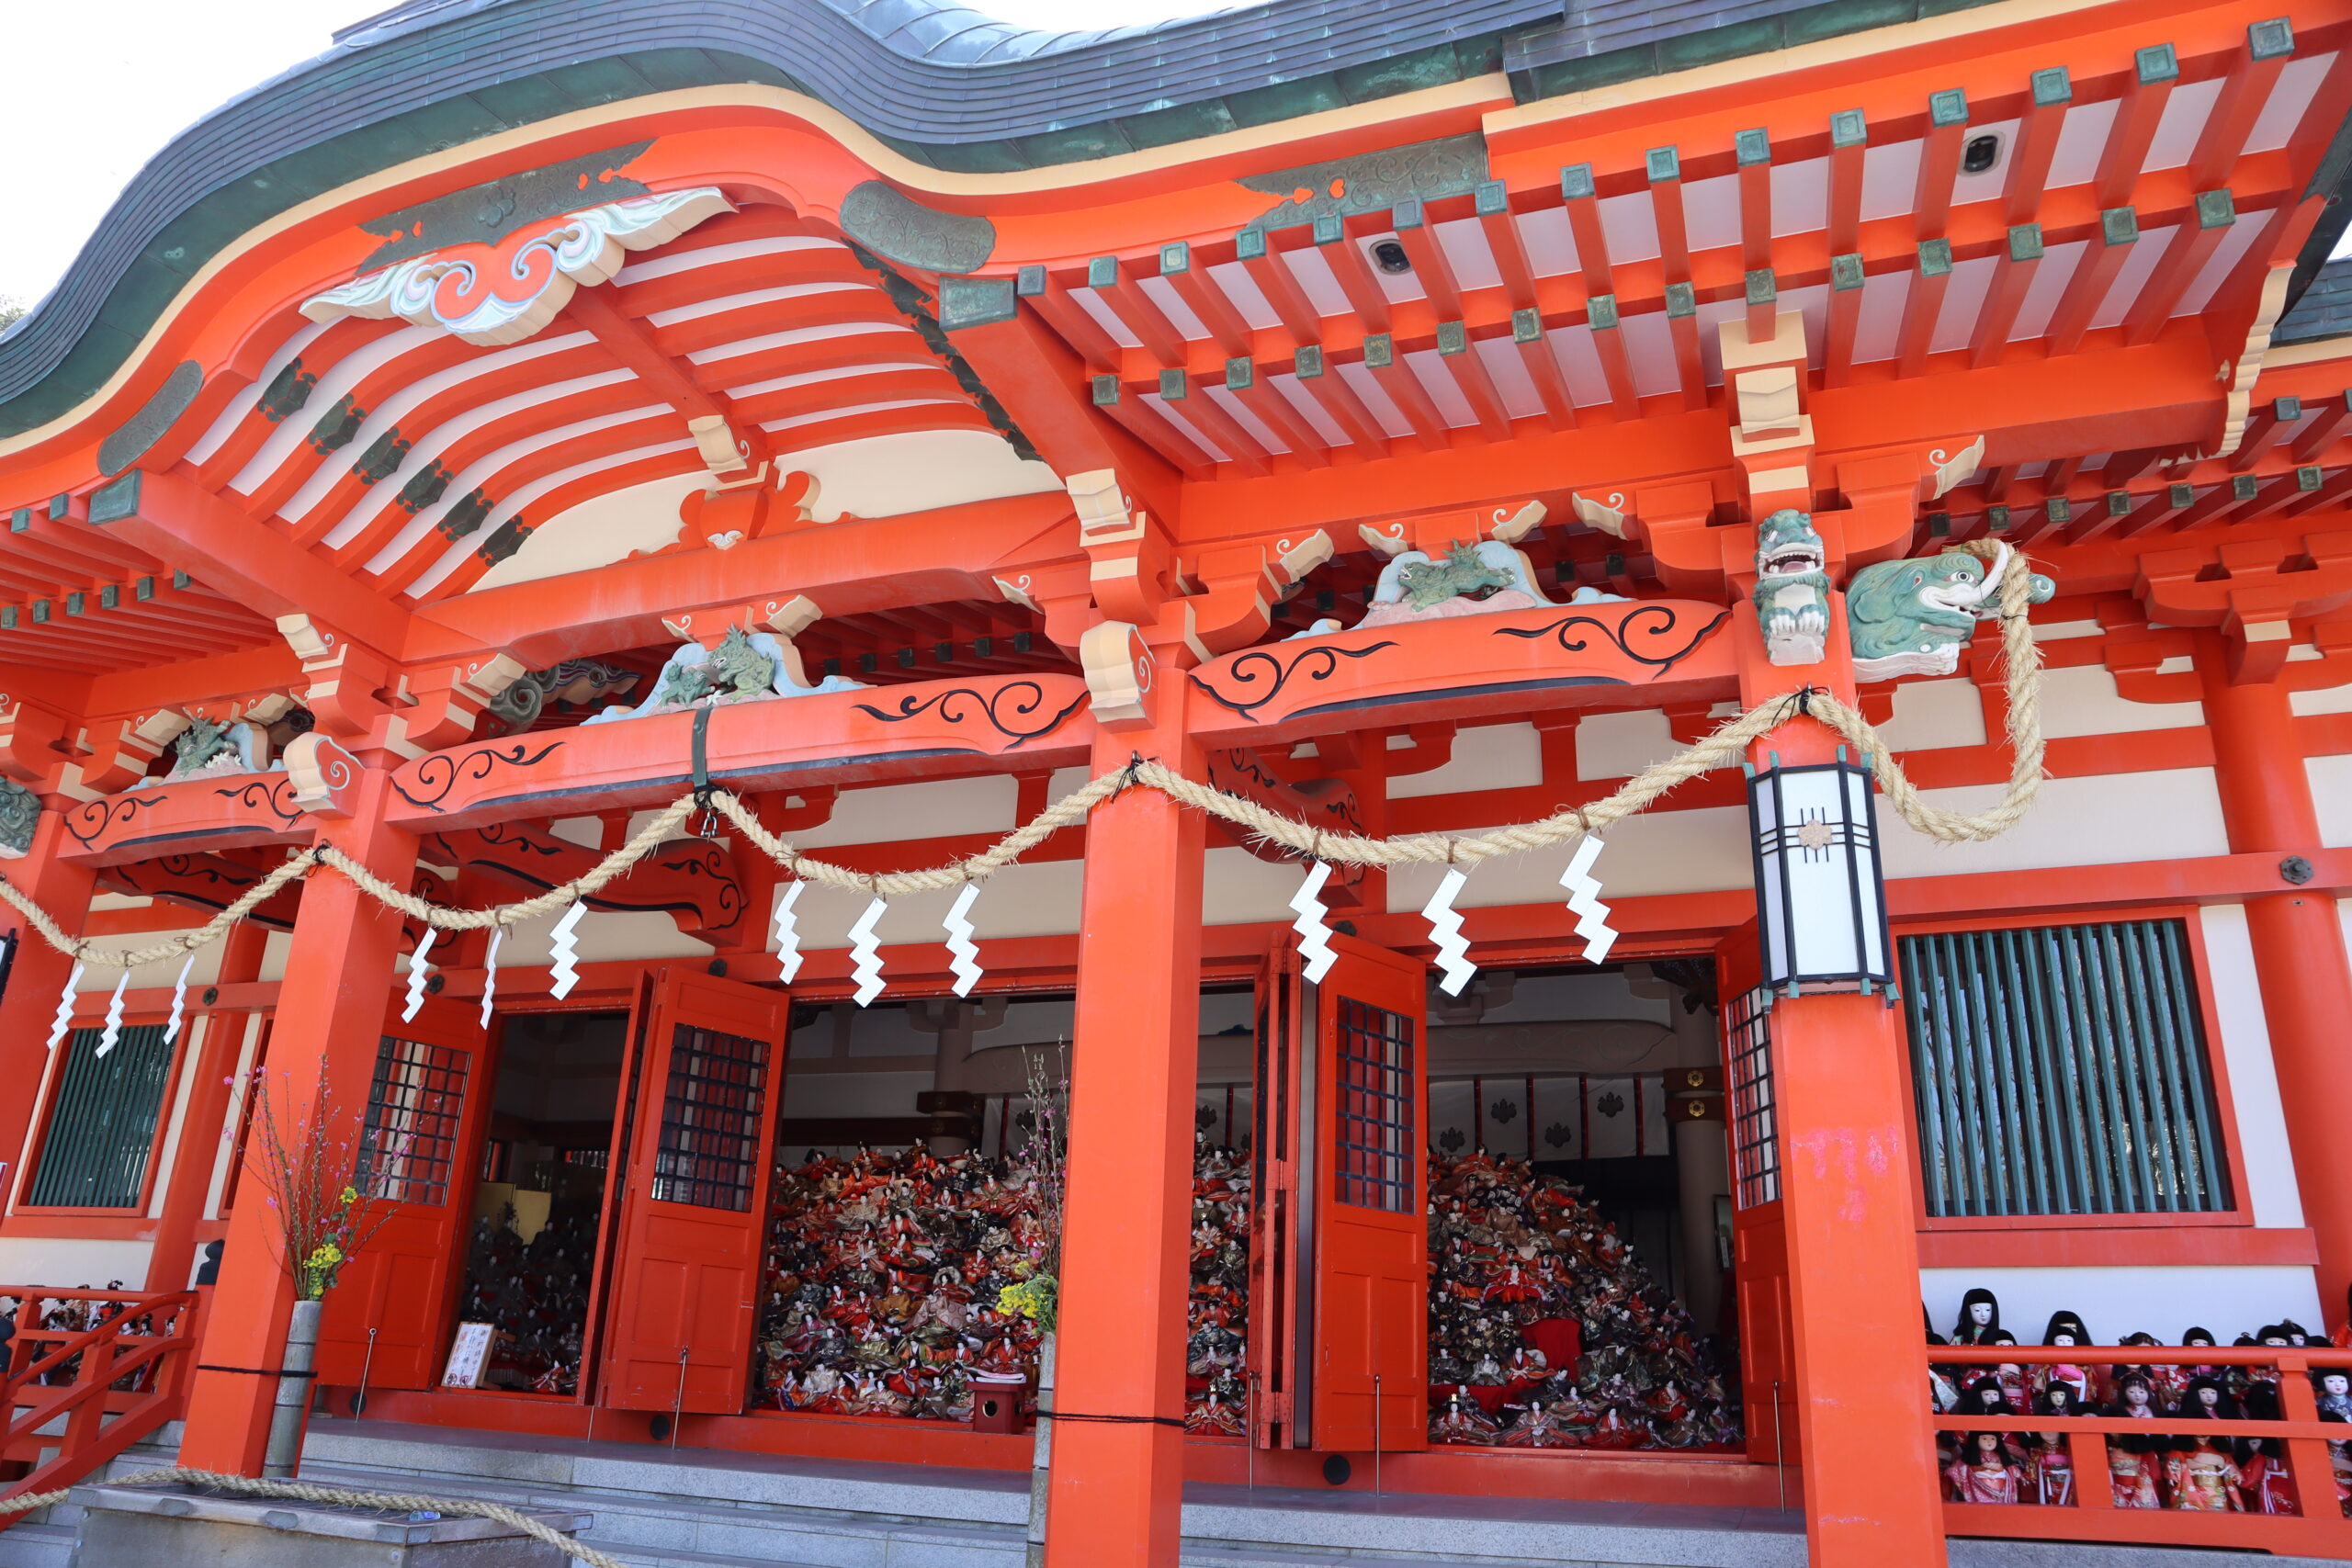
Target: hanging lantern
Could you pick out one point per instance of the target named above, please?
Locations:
(1820, 895)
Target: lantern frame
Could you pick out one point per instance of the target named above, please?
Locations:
(1824, 928)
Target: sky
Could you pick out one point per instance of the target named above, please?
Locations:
(97, 87)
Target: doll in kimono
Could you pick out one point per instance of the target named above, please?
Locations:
(2066, 1330)
(2132, 1463)
(1985, 1472)
(2052, 1468)
(2200, 1471)
(2269, 1484)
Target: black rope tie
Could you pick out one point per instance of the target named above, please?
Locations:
(256, 1371)
(1110, 1420)
(1135, 768)
(701, 758)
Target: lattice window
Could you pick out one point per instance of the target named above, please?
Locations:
(2063, 1070)
(1755, 1126)
(102, 1133)
(415, 1104)
(1377, 1091)
(709, 1151)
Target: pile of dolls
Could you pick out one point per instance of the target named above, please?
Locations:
(534, 1293)
(1545, 1331)
(884, 1283)
(2181, 1467)
(1217, 1388)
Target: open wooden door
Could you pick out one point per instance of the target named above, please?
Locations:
(693, 1196)
(1759, 1238)
(1367, 1190)
(426, 1104)
(1278, 1343)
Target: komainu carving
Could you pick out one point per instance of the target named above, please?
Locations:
(1910, 618)
(1793, 587)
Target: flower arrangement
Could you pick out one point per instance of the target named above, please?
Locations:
(314, 1174)
(1044, 1160)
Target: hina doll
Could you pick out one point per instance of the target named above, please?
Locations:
(2051, 1468)
(1986, 1397)
(2335, 1390)
(2339, 1464)
(1980, 1318)
(2066, 1330)
(2200, 1471)
(2132, 1468)
(2010, 1375)
(2269, 1484)
(1539, 1428)
(1459, 1422)
(1985, 1472)
(2165, 1384)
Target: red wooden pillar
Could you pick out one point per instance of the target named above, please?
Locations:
(1846, 1179)
(189, 1181)
(1117, 1488)
(38, 978)
(2299, 954)
(330, 1010)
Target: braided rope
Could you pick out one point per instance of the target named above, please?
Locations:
(2021, 659)
(304, 1492)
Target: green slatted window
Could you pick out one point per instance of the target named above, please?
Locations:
(102, 1132)
(2063, 1070)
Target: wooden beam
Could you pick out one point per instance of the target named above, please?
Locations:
(2036, 139)
(1193, 404)
(2270, 423)
(1152, 430)
(1663, 166)
(1405, 390)
(2244, 91)
(1272, 275)
(1436, 274)
(1503, 242)
(1616, 366)
(1939, 162)
(1682, 329)
(1846, 280)
(1579, 196)
(1265, 400)
(2185, 256)
(2093, 279)
(2322, 429)
(1753, 149)
(1542, 366)
(2155, 72)
(1336, 397)
(2010, 281)
(1135, 311)
(1346, 259)
(1460, 358)
(1848, 140)
(1924, 304)
(1204, 297)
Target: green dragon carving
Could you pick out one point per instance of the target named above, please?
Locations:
(1910, 618)
(733, 669)
(1461, 575)
(1791, 588)
(199, 744)
(19, 813)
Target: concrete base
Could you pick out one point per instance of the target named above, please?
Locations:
(175, 1526)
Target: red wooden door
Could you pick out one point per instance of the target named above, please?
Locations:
(1369, 1196)
(1277, 1330)
(419, 1141)
(1760, 1239)
(693, 1196)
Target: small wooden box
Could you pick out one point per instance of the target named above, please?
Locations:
(996, 1405)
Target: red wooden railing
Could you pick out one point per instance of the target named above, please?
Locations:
(2319, 1529)
(75, 1397)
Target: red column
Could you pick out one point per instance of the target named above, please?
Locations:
(189, 1181)
(2299, 954)
(1118, 1487)
(1846, 1180)
(330, 1010)
(37, 978)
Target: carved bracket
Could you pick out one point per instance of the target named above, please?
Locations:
(2254, 589)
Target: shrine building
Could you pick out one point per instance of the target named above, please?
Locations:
(1337, 463)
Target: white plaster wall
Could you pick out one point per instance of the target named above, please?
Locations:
(931, 809)
(273, 956)
(2331, 781)
(2327, 699)
(1930, 716)
(602, 935)
(1492, 756)
(1620, 744)
(2082, 700)
(2100, 821)
(2254, 1078)
(1237, 888)
(1024, 899)
(1657, 852)
(234, 1119)
(150, 976)
(66, 1265)
(2113, 1302)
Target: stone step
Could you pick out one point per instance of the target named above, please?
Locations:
(36, 1544)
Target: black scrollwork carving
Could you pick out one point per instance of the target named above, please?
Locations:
(440, 772)
(275, 796)
(1012, 709)
(1316, 661)
(1664, 642)
(93, 820)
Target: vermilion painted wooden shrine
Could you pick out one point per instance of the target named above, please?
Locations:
(1412, 419)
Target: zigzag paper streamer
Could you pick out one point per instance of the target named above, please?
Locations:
(566, 968)
(1445, 926)
(1584, 901)
(1314, 936)
(964, 954)
(64, 1020)
(418, 970)
(490, 972)
(868, 953)
(787, 932)
(179, 1003)
(113, 1031)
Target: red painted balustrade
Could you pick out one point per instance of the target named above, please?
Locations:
(115, 1369)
